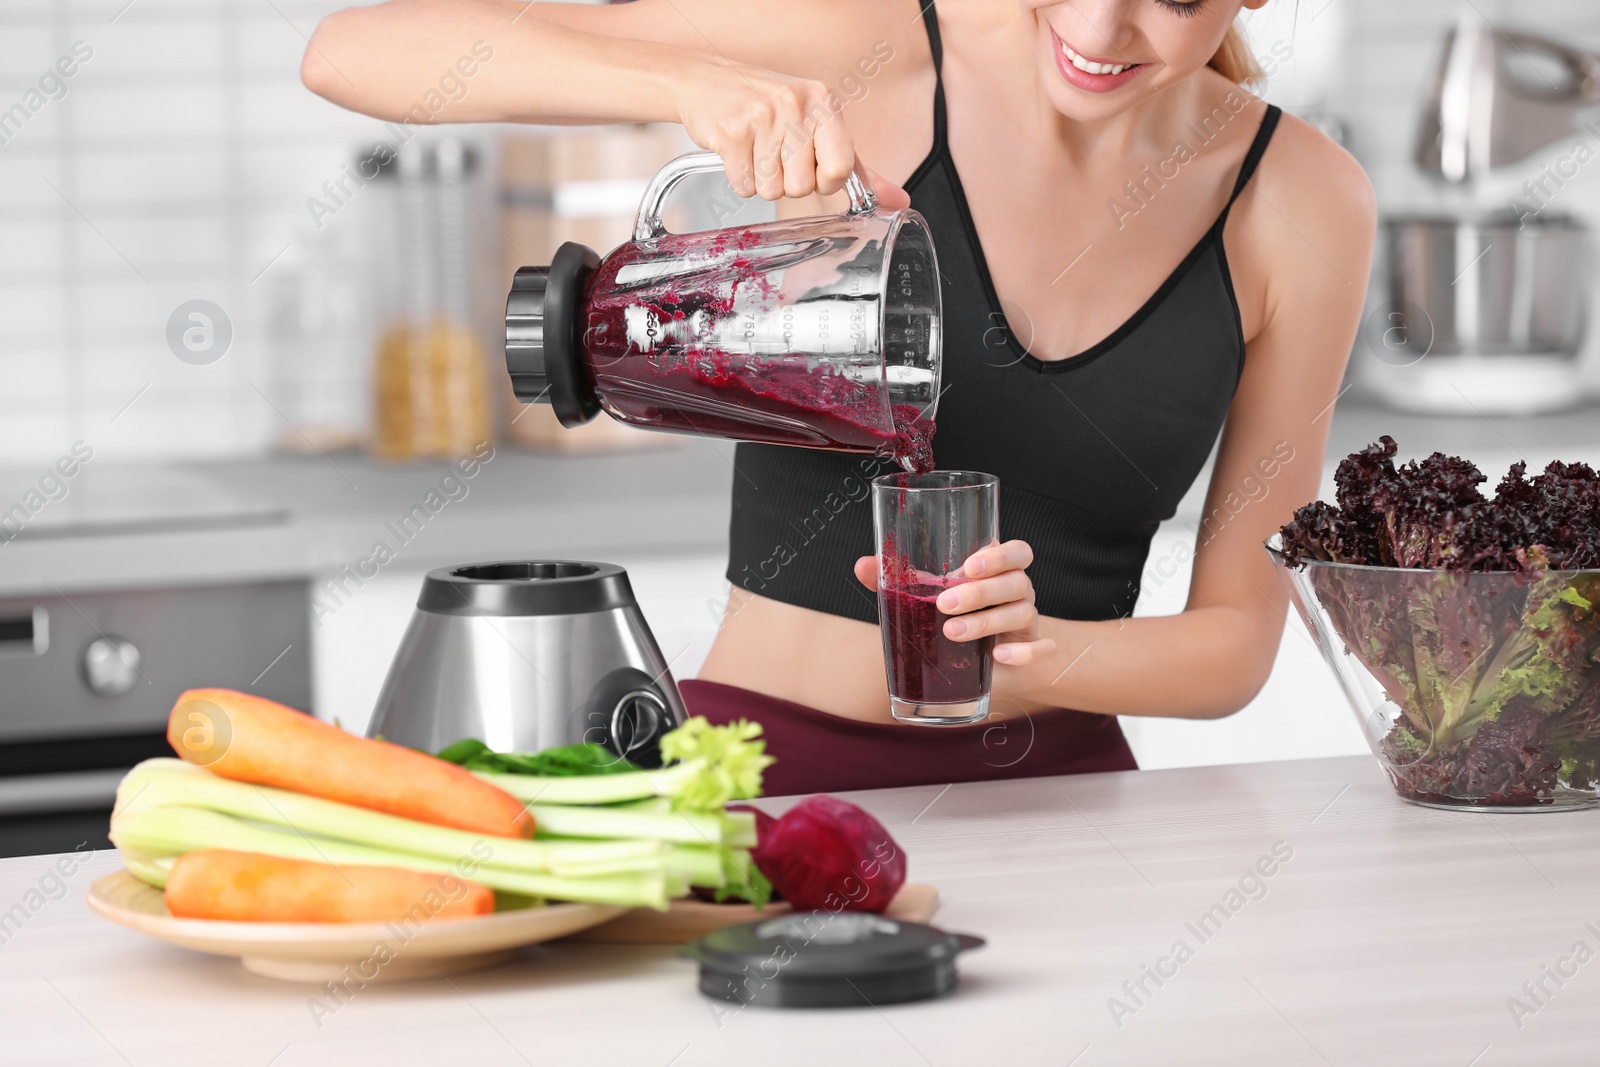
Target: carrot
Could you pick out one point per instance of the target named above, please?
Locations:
(250, 887)
(252, 739)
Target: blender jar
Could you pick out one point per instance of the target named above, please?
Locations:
(821, 332)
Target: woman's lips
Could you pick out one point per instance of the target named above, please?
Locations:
(1093, 75)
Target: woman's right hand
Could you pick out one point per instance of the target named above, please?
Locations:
(778, 136)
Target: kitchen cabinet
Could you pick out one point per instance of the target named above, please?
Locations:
(1323, 921)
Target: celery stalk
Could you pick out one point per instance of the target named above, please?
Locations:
(677, 827)
(737, 864)
(698, 864)
(169, 781)
(597, 788)
(147, 866)
(660, 804)
(739, 829)
(174, 829)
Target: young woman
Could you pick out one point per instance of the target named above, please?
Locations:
(1136, 255)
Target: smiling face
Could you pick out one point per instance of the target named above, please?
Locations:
(1097, 58)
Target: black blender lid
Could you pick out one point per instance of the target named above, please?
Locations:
(526, 587)
(828, 960)
(544, 355)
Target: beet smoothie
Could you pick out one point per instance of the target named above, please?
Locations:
(924, 665)
(651, 349)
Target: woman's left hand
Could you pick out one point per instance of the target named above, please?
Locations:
(997, 599)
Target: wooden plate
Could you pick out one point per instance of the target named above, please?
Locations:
(685, 920)
(364, 952)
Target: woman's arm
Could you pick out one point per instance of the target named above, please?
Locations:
(384, 59)
(709, 64)
(1308, 223)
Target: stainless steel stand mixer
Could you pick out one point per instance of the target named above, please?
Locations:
(1500, 95)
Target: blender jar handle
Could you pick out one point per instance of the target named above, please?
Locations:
(649, 225)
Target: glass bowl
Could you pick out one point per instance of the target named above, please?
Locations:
(1474, 690)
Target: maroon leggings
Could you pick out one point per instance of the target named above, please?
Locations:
(821, 753)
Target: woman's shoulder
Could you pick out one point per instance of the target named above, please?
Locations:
(1306, 169)
(1306, 220)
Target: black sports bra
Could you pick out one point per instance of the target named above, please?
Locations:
(1092, 452)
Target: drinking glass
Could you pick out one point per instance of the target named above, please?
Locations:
(927, 525)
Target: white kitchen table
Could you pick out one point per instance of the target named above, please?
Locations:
(1385, 934)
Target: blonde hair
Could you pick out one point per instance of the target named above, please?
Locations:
(1235, 61)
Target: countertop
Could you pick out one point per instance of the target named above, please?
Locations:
(1384, 934)
(124, 526)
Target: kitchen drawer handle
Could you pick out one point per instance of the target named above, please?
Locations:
(69, 791)
(25, 633)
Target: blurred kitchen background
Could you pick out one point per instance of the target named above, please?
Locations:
(240, 328)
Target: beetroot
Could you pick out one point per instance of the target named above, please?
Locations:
(826, 854)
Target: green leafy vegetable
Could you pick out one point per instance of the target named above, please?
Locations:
(714, 766)
(744, 882)
(1477, 615)
(731, 759)
(567, 761)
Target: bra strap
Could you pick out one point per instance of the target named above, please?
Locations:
(1258, 148)
(930, 22)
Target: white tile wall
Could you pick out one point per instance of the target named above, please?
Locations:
(179, 162)
(175, 167)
